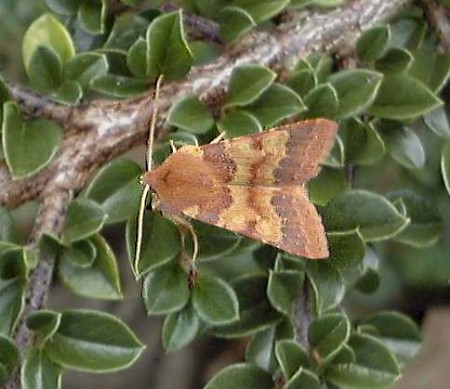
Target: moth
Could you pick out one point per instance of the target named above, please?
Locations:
(253, 185)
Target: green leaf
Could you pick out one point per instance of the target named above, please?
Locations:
(356, 90)
(255, 311)
(91, 16)
(101, 280)
(374, 216)
(166, 290)
(403, 144)
(322, 102)
(215, 301)
(180, 328)
(241, 376)
(40, 372)
(362, 143)
(49, 32)
(408, 32)
(7, 230)
(81, 253)
(137, 58)
(167, 50)
(276, 103)
(327, 335)
(328, 184)
(395, 60)
(234, 23)
(431, 68)
(215, 242)
(438, 121)
(374, 368)
(203, 52)
(160, 243)
(327, 285)
(347, 250)
(93, 341)
(45, 69)
(63, 7)
(86, 67)
(303, 379)
(290, 356)
(303, 81)
(9, 357)
(445, 165)
(365, 277)
(372, 43)
(426, 225)
(119, 86)
(402, 97)
(29, 146)
(283, 287)
(44, 322)
(190, 115)
(239, 123)
(69, 92)
(247, 84)
(84, 218)
(398, 332)
(261, 9)
(116, 188)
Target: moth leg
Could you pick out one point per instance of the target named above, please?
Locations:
(218, 138)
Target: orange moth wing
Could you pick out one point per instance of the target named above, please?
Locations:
(253, 185)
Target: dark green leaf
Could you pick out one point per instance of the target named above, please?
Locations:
(248, 83)
(241, 376)
(93, 341)
(283, 287)
(239, 123)
(374, 368)
(101, 280)
(445, 165)
(215, 242)
(7, 230)
(402, 97)
(119, 86)
(9, 357)
(83, 219)
(395, 60)
(116, 188)
(190, 115)
(431, 68)
(290, 356)
(29, 146)
(180, 328)
(403, 144)
(261, 9)
(327, 185)
(374, 216)
(215, 301)
(44, 322)
(346, 249)
(40, 372)
(70, 92)
(45, 69)
(160, 242)
(91, 16)
(81, 253)
(327, 335)
(322, 102)
(167, 50)
(356, 90)
(137, 58)
(234, 22)
(303, 81)
(86, 67)
(63, 7)
(372, 43)
(276, 103)
(303, 379)
(166, 290)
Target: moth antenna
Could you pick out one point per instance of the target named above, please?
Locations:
(172, 146)
(218, 138)
(145, 192)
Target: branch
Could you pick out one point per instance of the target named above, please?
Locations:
(439, 18)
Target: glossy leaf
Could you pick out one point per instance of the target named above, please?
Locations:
(83, 219)
(303, 81)
(374, 216)
(166, 290)
(395, 60)
(137, 58)
(81, 253)
(45, 69)
(161, 243)
(191, 115)
(28, 146)
(116, 188)
(241, 376)
(234, 22)
(69, 92)
(276, 103)
(101, 280)
(322, 101)
(93, 341)
(290, 356)
(328, 184)
(9, 357)
(402, 97)
(167, 50)
(40, 372)
(431, 68)
(445, 165)
(215, 301)
(86, 67)
(239, 123)
(91, 16)
(356, 90)
(347, 249)
(262, 9)
(283, 287)
(44, 322)
(303, 379)
(438, 121)
(119, 86)
(372, 43)
(180, 328)
(247, 83)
